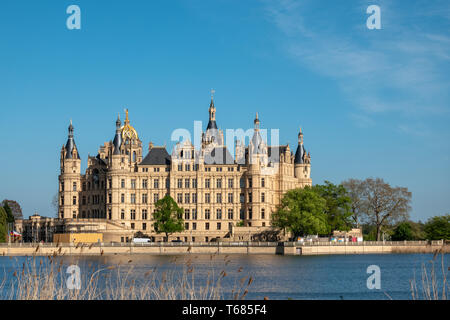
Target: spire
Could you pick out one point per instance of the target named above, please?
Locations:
(300, 154)
(70, 145)
(117, 142)
(256, 122)
(128, 132)
(212, 113)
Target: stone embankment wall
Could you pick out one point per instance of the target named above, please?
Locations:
(286, 248)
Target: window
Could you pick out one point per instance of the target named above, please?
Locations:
(109, 214)
(207, 183)
(132, 226)
(133, 198)
(194, 183)
(180, 167)
(230, 225)
(187, 198)
(250, 213)
(194, 227)
(242, 198)
(230, 198)
(122, 198)
(263, 213)
(144, 198)
(187, 167)
(122, 183)
(155, 169)
(263, 197)
(219, 183)
(194, 214)
(230, 183)
(144, 214)
(242, 183)
(155, 197)
(109, 183)
(207, 226)
(133, 214)
(207, 198)
(186, 214)
(144, 184)
(263, 183)
(219, 214)
(249, 182)
(74, 186)
(219, 226)
(62, 186)
(186, 183)
(230, 214)
(186, 226)
(167, 183)
(207, 214)
(249, 197)
(109, 198)
(133, 184)
(194, 198)
(180, 183)
(241, 214)
(180, 198)
(156, 184)
(122, 214)
(144, 226)
(219, 197)
(74, 202)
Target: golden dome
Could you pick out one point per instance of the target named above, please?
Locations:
(128, 132)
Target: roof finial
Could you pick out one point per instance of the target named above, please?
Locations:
(212, 94)
(256, 122)
(300, 136)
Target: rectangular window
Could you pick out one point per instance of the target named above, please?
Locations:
(144, 184)
(207, 183)
(219, 183)
(242, 214)
(186, 226)
(180, 167)
(156, 184)
(186, 214)
(109, 198)
(250, 214)
(144, 214)
(194, 183)
(242, 183)
(144, 226)
(155, 197)
(194, 227)
(194, 214)
(263, 183)
(194, 198)
(74, 186)
(207, 198)
(133, 184)
(230, 183)
(180, 198)
(230, 198)
(219, 197)
(133, 214)
(207, 214)
(249, 197)
(144, 198)
(263, 214)
(207, 226)
(219, 225)
(180, 183)
(249, 182)
(263, 197)
(230, 214)
(219, 214)
(122, 183)
(133, 198)
(122, 198)
(122, 214)
(167, 183)
(242, 198)
(187, 198)
(74, 202)
(187, 167)
(132, 226)
(186, 183)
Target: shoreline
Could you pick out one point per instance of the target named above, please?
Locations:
(281, 248)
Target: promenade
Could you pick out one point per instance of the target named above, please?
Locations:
(174, 248)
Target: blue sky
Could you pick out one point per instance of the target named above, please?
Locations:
(372, 103)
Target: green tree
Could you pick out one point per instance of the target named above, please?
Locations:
(438, 228)
(338, 206)
(3, 226)
(168, 217)
(302, 212)
(15, 208)
(403, 231)
(9, 214)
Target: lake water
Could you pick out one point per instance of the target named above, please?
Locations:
(274, 276)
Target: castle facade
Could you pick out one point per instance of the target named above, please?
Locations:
(222, 196)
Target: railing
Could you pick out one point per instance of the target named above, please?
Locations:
(223, 244)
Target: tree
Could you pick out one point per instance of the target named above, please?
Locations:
(438, 228)
(355, 189)
(302, 212)
(403, 231)
(168, 217)
(3, 226)
(338, 206)
(8, 211)
(15, 208)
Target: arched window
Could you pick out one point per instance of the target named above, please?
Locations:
(134, 156)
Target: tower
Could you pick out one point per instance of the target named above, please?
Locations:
(302, 163)
(213, 136)
(69, 179)
(131, 146)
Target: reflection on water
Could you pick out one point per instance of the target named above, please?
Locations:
(274, 276)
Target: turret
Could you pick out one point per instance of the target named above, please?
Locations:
(70, 178)
(302, 162)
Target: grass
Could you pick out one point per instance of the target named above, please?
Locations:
(46, 279)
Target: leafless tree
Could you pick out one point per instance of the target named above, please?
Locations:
(355, 190)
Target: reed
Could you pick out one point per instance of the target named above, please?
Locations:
(44, 278)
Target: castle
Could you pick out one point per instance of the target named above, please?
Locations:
(223, 197)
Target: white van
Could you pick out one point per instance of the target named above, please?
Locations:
(141, 240)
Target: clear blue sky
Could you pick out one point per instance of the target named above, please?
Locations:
(372, 103)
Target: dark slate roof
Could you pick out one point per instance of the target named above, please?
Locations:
(299, 154)
(70, 145)
(211, 125)
(157, 156)
(117, 143)
(219, 155)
